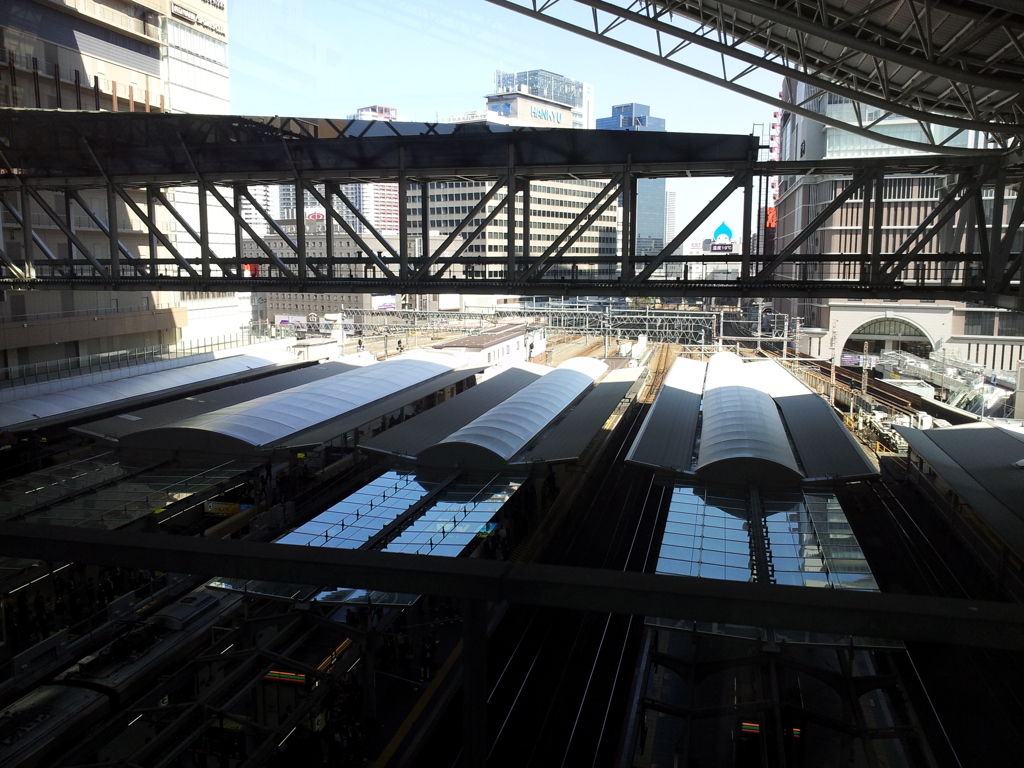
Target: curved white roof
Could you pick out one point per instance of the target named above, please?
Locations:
(743, 438)
(28, 409)
(272, 418)
(506, 429)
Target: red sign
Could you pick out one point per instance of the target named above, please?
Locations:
(316, 216)
(771, 217)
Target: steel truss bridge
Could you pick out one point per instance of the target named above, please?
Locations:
(967, 246)
(673, 326)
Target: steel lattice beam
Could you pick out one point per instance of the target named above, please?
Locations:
(223, 157)
(910, 617)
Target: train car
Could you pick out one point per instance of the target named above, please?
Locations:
(46, 721)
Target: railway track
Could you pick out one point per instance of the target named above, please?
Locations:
(559, 680)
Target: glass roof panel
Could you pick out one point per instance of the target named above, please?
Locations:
(810, 544)
(444, 528)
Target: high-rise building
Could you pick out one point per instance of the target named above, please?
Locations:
(553, 100)
(650, 193)
(118, 55)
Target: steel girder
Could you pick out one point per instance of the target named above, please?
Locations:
(938, 62)
(909, 617)
(122, 178)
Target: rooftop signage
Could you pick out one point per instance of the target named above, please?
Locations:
(546, 114)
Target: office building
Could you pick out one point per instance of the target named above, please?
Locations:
(650, 193)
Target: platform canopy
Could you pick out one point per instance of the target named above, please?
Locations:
(260, 424)
(981, 464)
(747, 422)
(40, 408)
(490, 440)
(667, 436)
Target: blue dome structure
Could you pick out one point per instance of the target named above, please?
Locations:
(723, 231)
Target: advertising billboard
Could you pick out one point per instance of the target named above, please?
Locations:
(383, 301)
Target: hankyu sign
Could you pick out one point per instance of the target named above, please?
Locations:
(550, 115)
(184, 13)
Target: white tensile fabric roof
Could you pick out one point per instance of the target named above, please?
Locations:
(741, 425)
(508, 427)
(272, 418)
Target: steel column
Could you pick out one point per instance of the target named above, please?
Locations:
(404, 269)
(510, 212)
(69, 219)
(27, 235)
(748, 195)
(300, 227)
(237, 200)
(526, 224)
(627, 267)
(424, 226)
(997, 263)
(329, 231)
(204, 232)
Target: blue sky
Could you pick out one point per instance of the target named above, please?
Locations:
(436, 58)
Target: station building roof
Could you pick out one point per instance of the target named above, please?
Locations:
(488, 338)
(261, 424)
(490, 440)
(757, 424)
(979, 464)
(45, 408)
